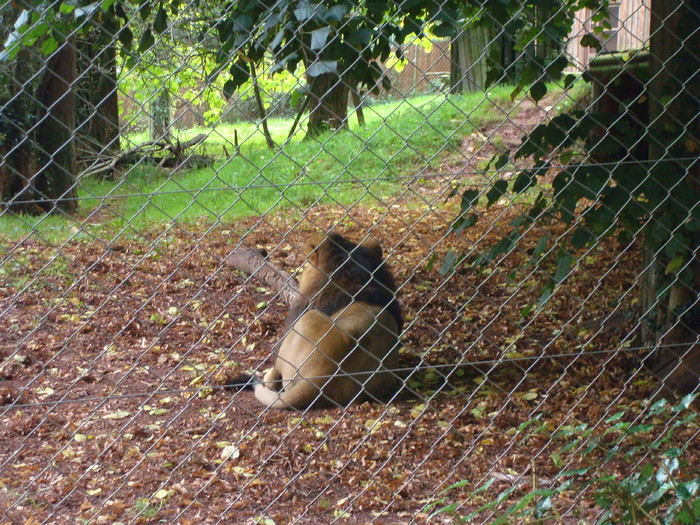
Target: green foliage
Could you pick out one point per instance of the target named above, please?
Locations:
(348, 38)
(531, 26)
(636, 471)
(40, 26)
(157, 50)
(601, 183)
(598, 199)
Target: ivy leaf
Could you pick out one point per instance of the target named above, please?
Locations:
(501, 161)
(319, 37)
(526, 311)
(505, 245)
(87, 10)
(229, 89)
(242, 23)
(449, 263)
(359, 38)
(469, 198)
(304, 11)
(145, 10)
(688, 490)
(590, 41)
(569, 80)
(431, 262)
(147, 41)
(538, 91)
(277, 40)
(580, 237)
(685, 403)
(493, 75)
(496, 191)
(298, 94)
(541, 246)
(464, 222)
(525, 180)
(555, 67)
(530, 73)
(336, 13)
(119, 10)
(443, 29)
(48, 46)
(546, 294)
(239, 73)
(563, 265)
(160, 23)
(126, 37)
(674, 264)
(322, 67)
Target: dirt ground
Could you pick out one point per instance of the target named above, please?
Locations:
(114, 355)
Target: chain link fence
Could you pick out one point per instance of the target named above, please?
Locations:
(169, 170)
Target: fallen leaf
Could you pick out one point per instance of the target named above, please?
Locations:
(119, 414)
(230, 452)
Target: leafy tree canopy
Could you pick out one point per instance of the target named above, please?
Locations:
(344, 37)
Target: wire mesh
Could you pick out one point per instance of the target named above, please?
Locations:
(156, 166)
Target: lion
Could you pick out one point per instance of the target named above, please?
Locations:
(343, 334)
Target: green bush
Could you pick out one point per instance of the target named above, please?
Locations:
(638, 471)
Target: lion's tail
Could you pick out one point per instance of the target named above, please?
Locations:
(242, 382)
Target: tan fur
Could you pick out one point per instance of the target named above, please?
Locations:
(360, 339)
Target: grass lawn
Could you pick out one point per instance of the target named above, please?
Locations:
(399, 139)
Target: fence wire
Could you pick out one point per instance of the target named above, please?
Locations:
(170, 173)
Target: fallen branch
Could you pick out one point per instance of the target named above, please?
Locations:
(255, 264)
(192, 142)
(173, 155)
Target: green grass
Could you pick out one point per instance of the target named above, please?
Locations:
(399, 139)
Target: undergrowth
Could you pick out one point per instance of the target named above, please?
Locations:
(638, 470)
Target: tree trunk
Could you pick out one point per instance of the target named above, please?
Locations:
(55, 183)
(98, 104)
(328, 104)
(255, 264)
(357, 102)
(262, 113)
(159, 126)
(469, 54)
(18, 82)
(673, 24)
(17, 155)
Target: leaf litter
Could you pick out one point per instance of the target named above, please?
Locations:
(112, 369)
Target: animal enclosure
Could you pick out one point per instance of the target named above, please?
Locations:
(542, 228)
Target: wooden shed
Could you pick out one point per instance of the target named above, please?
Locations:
(630, 21)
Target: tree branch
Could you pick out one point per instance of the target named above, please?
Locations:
(253, 263)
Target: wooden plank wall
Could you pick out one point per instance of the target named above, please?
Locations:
(633, 33)
(635, 17)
